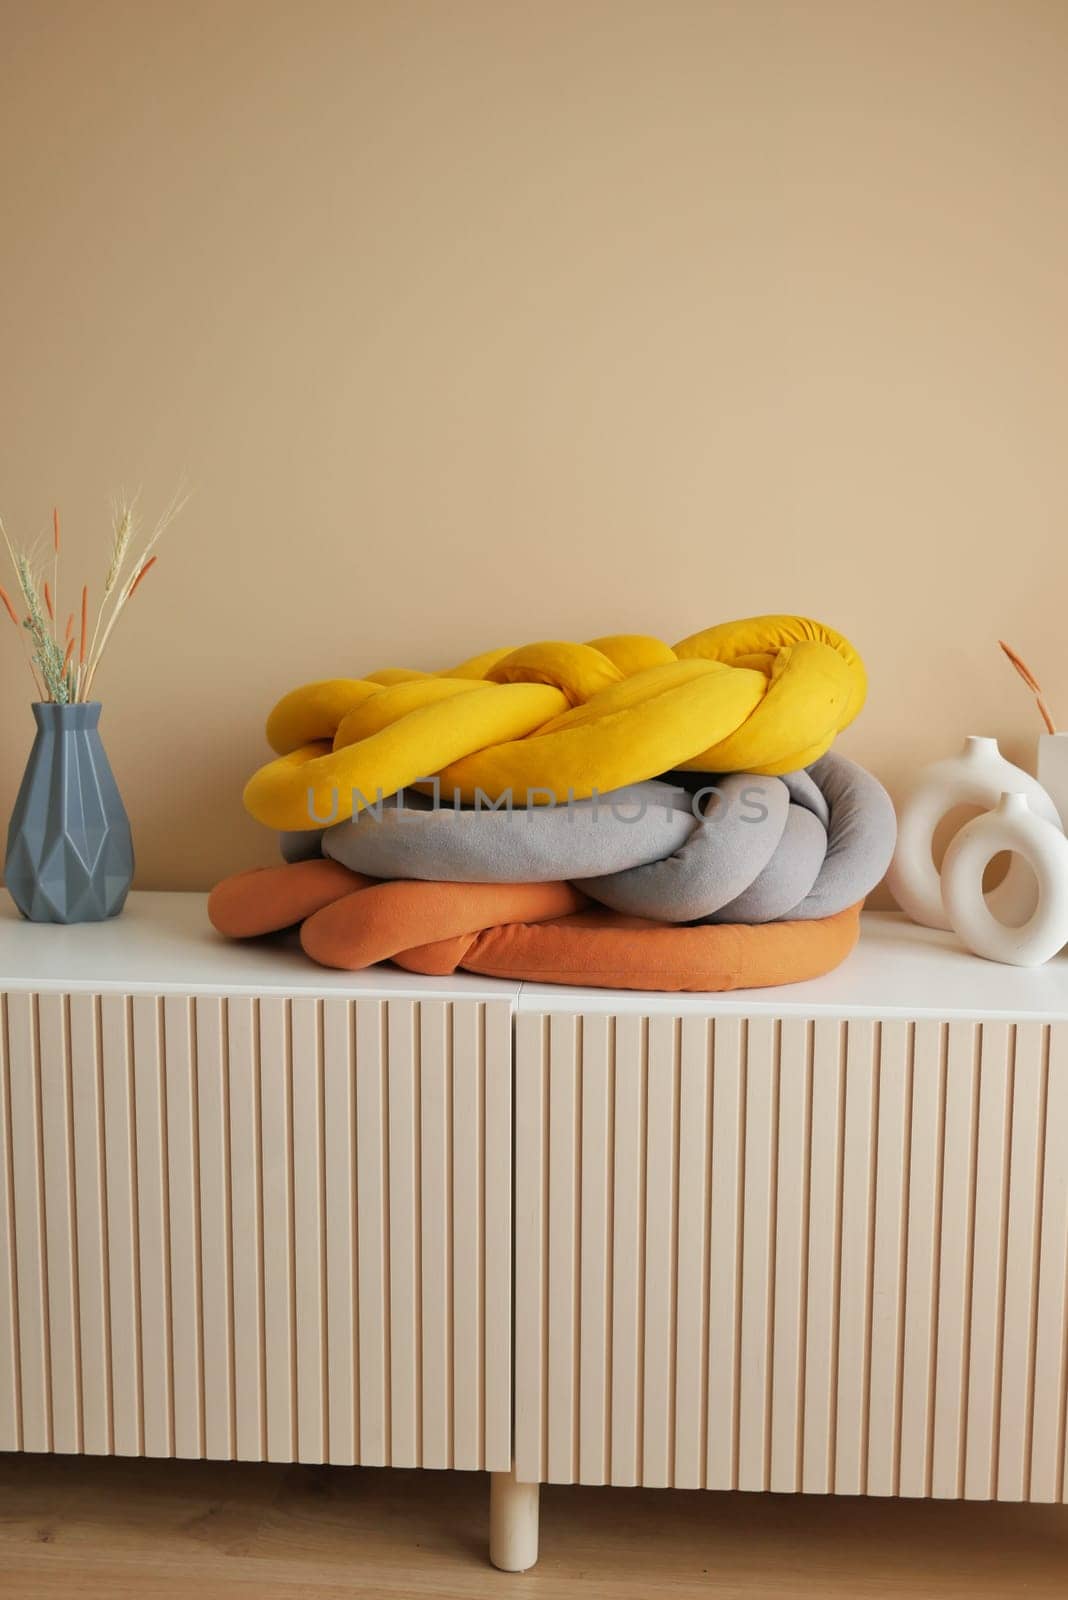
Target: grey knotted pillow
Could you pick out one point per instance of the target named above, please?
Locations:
(823, 841)
(742, 848)
(536, 844)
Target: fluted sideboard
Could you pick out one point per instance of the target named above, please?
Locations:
(812, 1239)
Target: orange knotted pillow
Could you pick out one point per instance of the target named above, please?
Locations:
(604, 950)
(268, 899)
(538, 932)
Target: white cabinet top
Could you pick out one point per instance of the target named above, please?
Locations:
(164, 943)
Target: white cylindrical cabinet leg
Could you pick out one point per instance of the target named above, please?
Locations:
(513, 1522)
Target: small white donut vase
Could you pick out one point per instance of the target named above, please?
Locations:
(1012, 826)
(979, 776)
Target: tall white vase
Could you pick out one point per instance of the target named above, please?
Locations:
(978, 776)
(1053, 771)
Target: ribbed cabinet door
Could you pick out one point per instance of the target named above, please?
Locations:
(256, 1228)
(764, 1253)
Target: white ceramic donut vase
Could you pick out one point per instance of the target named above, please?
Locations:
(979, 776)
(1012, 826)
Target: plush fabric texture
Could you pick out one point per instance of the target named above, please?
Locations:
(265, 899)
(768, 849)
(765, 695)
(394, 915)
(765, 849)
(531, 844)
(378, 923)
(601, 950)
(540, 932)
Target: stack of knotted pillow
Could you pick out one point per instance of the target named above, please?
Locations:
(615, 813)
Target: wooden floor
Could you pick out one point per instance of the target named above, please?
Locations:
(77, 1527)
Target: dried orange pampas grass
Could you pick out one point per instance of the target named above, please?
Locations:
(1032, 683)
(145, 570)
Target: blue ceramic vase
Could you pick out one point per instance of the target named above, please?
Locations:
(69, 850)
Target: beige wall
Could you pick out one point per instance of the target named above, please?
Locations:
(482, 322)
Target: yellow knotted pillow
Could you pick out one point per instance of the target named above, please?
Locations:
(766, 695)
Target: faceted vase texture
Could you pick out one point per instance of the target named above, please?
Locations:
(69, 850)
